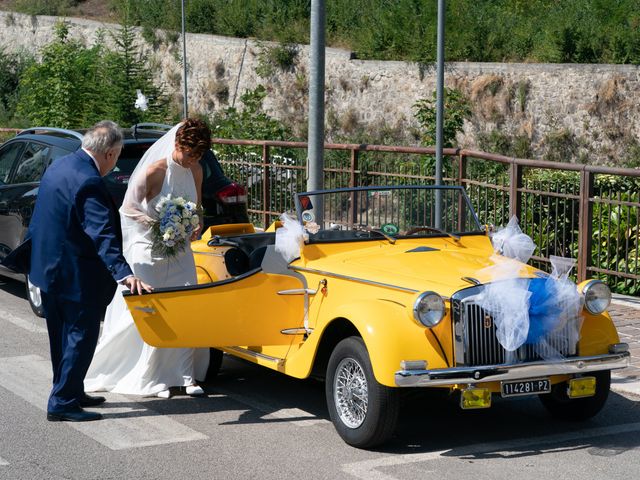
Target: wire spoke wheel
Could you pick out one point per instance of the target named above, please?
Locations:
(350, 393)
(363, 411)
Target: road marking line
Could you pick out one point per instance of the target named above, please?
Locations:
(128, 426)
(368, 469)
(22, 323)
(304, 419)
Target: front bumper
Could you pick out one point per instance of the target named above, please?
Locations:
(493, 373)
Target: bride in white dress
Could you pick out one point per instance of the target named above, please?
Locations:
(123, 363)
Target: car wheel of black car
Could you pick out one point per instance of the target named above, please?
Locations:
(215, 362)
(35, 297)
(562, 407)
(363, 411)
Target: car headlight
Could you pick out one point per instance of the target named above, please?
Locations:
(429, 309)
(597, 296)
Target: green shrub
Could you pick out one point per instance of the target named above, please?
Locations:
(456, 110)
(74, 86)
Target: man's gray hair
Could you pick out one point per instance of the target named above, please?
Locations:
(102, 137)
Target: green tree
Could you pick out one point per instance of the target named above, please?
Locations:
(456, 110)
(61, 89)
(11, 67)
(125, 72)
(74, 86)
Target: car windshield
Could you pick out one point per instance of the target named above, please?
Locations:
(390, 212)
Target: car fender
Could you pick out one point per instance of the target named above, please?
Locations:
(389, 334)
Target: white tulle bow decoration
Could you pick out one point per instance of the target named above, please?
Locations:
(512, 243)
(530, 309)
(141, 101)
(289, 238)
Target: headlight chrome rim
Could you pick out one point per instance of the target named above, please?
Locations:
(437, 313)
(600, 296)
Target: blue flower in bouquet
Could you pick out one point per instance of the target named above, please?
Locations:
(177, 219)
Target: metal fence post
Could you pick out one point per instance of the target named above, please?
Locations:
(266, 193)
(352, 183)
(462, 168)
(353, 167)
(462, 174)
(515, 196)
(585, 224)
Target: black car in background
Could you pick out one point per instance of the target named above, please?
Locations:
(24, 158)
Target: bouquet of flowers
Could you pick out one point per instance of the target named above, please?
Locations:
(176, 222)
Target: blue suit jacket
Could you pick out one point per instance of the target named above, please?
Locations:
(76, 241)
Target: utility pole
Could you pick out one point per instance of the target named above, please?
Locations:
(439, 109)
(315, 162)
(184, 63)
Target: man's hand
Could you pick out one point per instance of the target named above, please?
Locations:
(136, 285)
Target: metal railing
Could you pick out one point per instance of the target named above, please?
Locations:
(589, 213)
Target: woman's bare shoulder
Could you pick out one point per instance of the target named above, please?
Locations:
(157, 169)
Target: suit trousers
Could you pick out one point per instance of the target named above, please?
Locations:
(73, 335)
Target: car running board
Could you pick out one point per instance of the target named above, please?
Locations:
(251, 353)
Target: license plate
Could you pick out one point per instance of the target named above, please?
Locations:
(526, 387)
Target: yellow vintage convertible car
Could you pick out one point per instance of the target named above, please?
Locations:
(389, 288)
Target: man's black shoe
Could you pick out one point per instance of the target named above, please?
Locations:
(91, 401)
(78, 415)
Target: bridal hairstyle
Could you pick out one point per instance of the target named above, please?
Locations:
(102, 137)
(194, 136)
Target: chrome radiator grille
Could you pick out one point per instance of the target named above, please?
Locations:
(476, 343)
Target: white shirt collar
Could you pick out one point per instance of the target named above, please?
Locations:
(92, 158)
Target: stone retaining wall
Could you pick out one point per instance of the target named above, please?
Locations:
(581, 112)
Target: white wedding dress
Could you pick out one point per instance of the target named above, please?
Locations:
(123, 363)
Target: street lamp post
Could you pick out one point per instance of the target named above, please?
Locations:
(315, 163)
(439, 109)
(184, 63)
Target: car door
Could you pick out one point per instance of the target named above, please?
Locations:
(20, 191)
(10, 227)
(260, 307)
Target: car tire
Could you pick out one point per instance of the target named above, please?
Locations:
(35, 297)
(349, 372)
(562, 407)
(215, 362)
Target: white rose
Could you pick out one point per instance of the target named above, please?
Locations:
(195, 220)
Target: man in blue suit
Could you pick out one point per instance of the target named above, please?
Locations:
(76, 260)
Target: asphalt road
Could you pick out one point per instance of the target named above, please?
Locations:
(255, 423)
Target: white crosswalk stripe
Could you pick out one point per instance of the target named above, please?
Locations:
(35, 325)
(129, 426)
